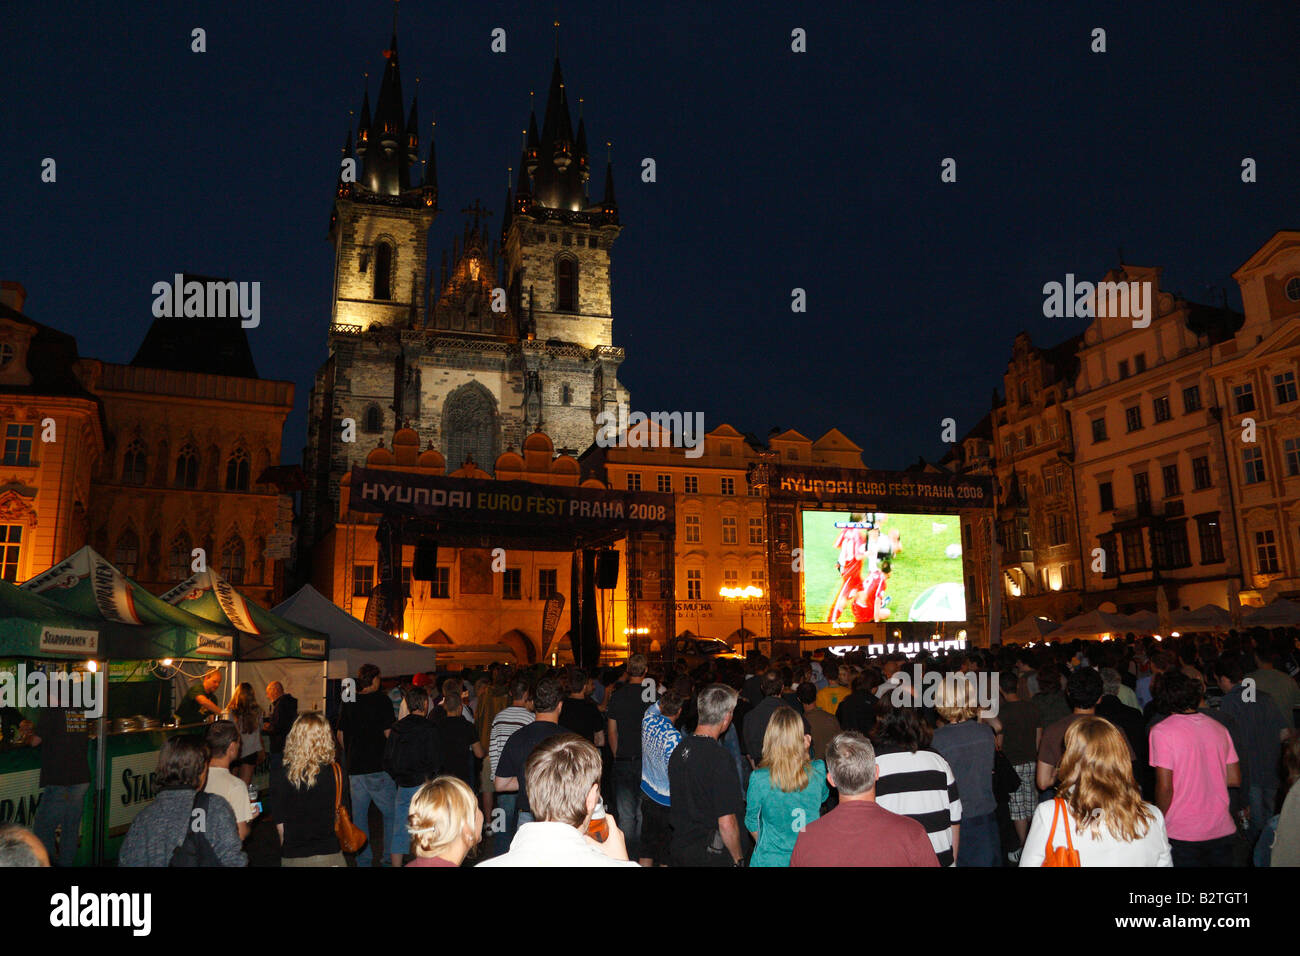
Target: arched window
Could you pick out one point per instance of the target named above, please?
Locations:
(134, 463)
(179, 557)
(566, 395)
(232, 560)
(566, 284)
(237, 471)
(469, 424)
(127, 553)
(374, 420)
(383, 270)
(187, 467)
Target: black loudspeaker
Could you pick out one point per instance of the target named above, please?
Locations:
(426, 560)
(607, 569)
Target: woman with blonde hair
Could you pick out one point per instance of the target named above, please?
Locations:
(304, 791)
(968, 746)
(786, 790)
(245, 711)
(1101, 807)
(445, 822)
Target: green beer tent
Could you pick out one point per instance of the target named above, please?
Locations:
(263, 635)
(139, 625)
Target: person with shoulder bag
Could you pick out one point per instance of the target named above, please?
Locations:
(306, 797)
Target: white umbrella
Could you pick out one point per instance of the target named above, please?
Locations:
(1208, 617)
(1144, 622)
(1092, 624)
(1028, 629)
(1281, 613)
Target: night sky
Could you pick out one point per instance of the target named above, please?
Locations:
(775, 170)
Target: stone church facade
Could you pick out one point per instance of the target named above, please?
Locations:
(515, 337)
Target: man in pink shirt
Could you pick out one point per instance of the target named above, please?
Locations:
(1195, 764)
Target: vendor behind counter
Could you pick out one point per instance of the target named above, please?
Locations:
(199, 700)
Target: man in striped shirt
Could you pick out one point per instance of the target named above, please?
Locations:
(913, 781)
(518, 714)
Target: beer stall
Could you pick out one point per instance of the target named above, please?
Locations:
(85, 615)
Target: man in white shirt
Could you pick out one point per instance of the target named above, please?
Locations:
(223, 741)
(563, 779)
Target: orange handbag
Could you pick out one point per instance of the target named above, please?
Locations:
(351, 839)
(1062, 855)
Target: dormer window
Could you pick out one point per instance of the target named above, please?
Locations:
(1292, 291)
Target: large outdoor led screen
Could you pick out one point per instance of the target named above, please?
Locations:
(865, 567)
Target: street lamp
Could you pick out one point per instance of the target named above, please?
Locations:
(741, 594)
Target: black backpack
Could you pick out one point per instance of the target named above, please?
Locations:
(195, 850)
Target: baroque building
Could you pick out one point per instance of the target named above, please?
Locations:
(517, 335)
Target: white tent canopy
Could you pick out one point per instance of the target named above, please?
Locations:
(1208, 617)
(1028, 629)
(353, 642)
(1092, 624)
(1281, 613)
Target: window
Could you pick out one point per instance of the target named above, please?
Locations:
(232, 561)
(1140, 362)
(1133, 417)
(127, 554)
(568, 238)
(665, 484)
(1056, 529)
(730, 578)
(1244, 397)
(363, 579)
(546, 586)
(374, 421)
(407, 578)
(692, 484)
(187, 467)
(1098, 429)
(1142, 488)
(1109, 564)
(755, 530)
(728, 449)
(592, 243)
(1169, 474)
(1006, 445)
(1191, 399)
(1123, 368)
(1253, 460)
(134, 463)
(566, 395)
(1284, 387)
(692, 529)
(11, 544)
(1293, 288)
(758, 579)
(1107, 494)
(237, 471)
(1067, 577)
(566, 285)
(1135, 555)
(729, 530)
(383, 271)
(1022, 534)
(693, 585)
(1201, 473)
(634, 481)
(754, 491)
(511, 584)
(440, 586)
(553, 238)
(6, 354)
(18, 444)
(1174, 550)
(1291, 451)
(1266, 552)
(1209, 538)
(1161, 408)
(179, 555)
(728, 486)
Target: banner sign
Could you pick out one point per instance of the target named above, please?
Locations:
(66, 640)
(894, 491)
(312, 647)
(505, 503)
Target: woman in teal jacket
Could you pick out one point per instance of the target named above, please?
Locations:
(786, 791)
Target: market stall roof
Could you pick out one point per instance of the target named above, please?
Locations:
(31, 626)
(1028, 629)
(1281, 613)
(142, 625)
(352, 642)
(1092, 624)
(1208, 617)
(264, 635)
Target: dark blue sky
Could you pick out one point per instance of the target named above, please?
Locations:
(775, 170)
